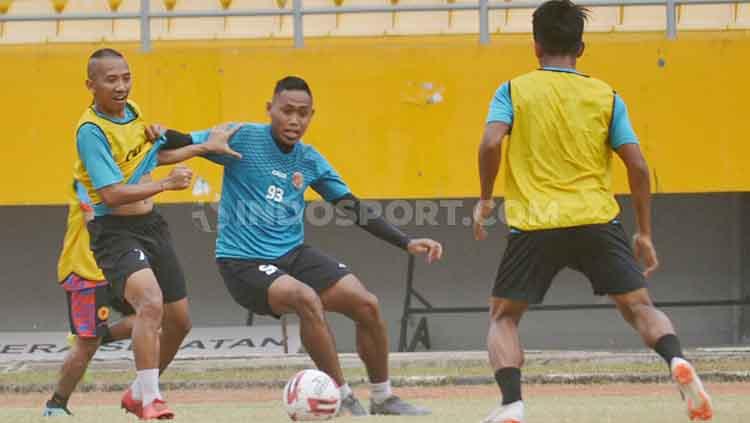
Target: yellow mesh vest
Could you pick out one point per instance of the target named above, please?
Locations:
(127, 141)
(558, 169)
(76, 256)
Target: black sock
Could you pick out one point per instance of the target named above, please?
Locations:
(58, 400)
(509, 380)
(668, 347)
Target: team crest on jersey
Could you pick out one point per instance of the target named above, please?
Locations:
(298, 180)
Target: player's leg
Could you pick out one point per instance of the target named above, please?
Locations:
(264, 288)
(349, 297)
(176, 323)
(530, 262)
(506, 358)
(72, 371)
(122, 330)
(88, 313)
(320, 272)
(119, 330)
(288, 295)
(657, 333)
(119, 244)
(607, 260)
(503, 342)
(175, 327)
(143, 292)
(651, 323)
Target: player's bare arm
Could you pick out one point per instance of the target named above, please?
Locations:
(640, 190)
(490, 152)
(129, 199)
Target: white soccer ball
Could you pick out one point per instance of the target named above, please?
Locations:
(311, 395)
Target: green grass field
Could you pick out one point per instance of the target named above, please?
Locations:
(547, 403)
(282, 374)
(564, 404)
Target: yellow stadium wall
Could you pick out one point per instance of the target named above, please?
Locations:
(373, 121)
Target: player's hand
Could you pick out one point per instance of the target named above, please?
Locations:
(644, 251)
(178, 179)
(432, 248)
(154, 131)
(482, 212)
(218, 139)
(88, 212)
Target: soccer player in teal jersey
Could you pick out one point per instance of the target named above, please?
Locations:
(262, 256)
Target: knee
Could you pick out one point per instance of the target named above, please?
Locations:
(367, 309)
(86, 348)
(307, 304)
(631, 307)
(150, 310)
(500, 312)
(82, 353)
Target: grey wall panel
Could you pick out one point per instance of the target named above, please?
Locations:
(692, 232)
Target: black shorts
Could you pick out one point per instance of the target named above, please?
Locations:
(533, 258)
(123, 245)
(248, 280)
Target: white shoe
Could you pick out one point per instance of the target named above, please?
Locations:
(698, 402)
(510, 413)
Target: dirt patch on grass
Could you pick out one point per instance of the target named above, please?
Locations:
(106, 399)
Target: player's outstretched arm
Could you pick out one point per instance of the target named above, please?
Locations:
(367, 219)
(640, 191)
(432, 249)
(217, 143)
(119, 194)
(490, 151)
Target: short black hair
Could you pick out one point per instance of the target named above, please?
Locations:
(102, 53)
(558, 26)
(292, 83)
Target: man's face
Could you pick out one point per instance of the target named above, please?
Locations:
(109, 81)
(290, 112)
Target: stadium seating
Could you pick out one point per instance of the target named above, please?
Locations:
(364, 24)
(94, 30)
(699, 16)
(512, 20)
(129, 29)
(194, 28)
(741, 19)
(319, 25)
(407, 23)
(462, 22)
(256, 27)
(602, 19)
(29, 32)
(643, 18)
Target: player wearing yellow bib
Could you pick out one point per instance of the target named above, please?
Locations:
(88, 298)
(563, 127)
(130, 240)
